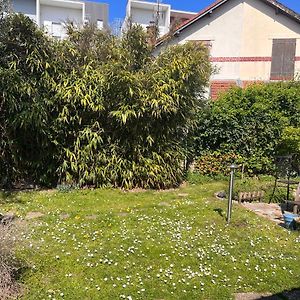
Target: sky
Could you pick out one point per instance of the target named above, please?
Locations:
(117, 7)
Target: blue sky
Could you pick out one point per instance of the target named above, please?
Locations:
(117, 7)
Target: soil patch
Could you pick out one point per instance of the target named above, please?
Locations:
(64, 216)
(165, 204)
(183, 195)
(91, 217)
(123, 214)
(34, 215)
(135, 190)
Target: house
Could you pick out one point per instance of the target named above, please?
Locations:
(145, 13)
(249, 41)
(52, 14)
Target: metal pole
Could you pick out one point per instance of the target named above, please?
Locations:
(231, 182)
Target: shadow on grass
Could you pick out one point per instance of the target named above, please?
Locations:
(293, 294)
(10, 197)
(220, 211)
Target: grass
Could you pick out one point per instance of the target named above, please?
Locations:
(110, 244)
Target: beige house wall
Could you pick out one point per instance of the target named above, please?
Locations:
(241, 34)
(261, 25)
(224, 29)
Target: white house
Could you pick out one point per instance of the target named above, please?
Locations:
(249, 41)
(144, 13)
(52, 14)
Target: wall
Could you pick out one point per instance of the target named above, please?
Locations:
(241, 33)
(261, 26)
(145, 16)
(59, 15)
(224, 29)
(143, 13)
(96, 11)
(27, 7)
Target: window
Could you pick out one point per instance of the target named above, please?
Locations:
(100, 24)
(56, 28)
(48, 26)
(283, 59)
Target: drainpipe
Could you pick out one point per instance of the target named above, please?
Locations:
(83, 13)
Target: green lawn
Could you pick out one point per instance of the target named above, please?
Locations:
(110, 244)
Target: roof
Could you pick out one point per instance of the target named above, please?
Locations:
(209, 9)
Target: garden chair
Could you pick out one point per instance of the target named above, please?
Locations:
(284, 175)
(293, 206)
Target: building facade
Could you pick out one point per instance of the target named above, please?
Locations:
(249, 41)
(53, 14)
(146, 13)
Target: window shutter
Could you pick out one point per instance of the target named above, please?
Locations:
(283, 59)
(289, 59)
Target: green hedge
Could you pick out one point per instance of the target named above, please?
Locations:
(251, 123)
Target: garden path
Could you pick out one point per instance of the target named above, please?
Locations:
(270, 211)
(288, 295)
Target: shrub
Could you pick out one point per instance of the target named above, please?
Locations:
(216, 163)
(95, 109)
(290, 140)
(27, 151)
(250, 122)
(129, 120)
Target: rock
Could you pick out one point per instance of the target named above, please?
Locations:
(288, 295)
(6, 219)
(292, 295)
(123, 214)
(221, 195)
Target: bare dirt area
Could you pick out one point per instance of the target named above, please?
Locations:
(9, 265)
(34, 215)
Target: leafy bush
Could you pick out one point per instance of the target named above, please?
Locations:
(216, 163)
(290, 140)
(250, 122)
(130, 119)
(26, 149)
(290, 143)
(95, 109)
